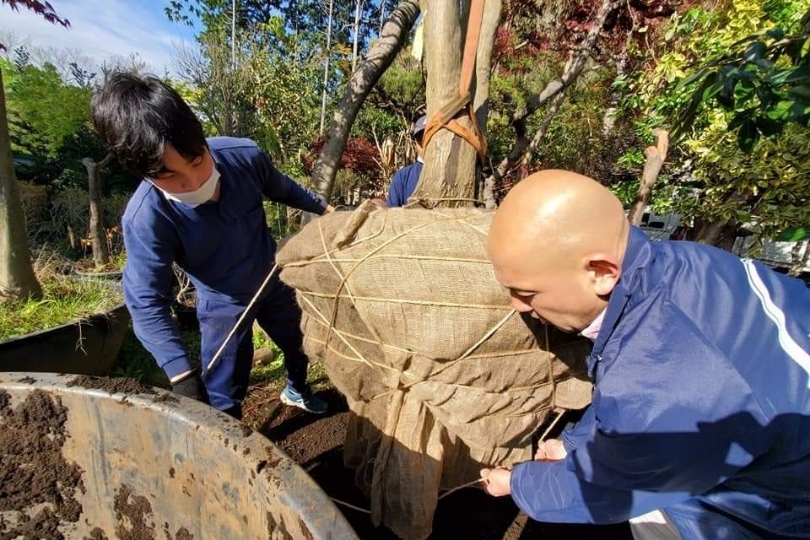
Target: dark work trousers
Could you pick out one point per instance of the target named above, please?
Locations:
(277, 314)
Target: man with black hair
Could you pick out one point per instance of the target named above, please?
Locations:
(405, 179)
(200, 206)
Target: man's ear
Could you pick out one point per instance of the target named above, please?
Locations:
(604, 270)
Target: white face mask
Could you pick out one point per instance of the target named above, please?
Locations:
(199, 196)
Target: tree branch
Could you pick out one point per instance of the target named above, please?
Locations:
(573, 68)
(363, 80)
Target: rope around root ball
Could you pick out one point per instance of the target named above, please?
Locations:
(462, 486)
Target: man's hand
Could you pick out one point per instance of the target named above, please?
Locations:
(190, 385)
(329, 209)
(550, 450)
(496, 481)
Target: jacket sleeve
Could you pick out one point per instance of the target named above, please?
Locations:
(656, 433)
(581, 432)
(553, 493)
(151, 247)
(279, 187)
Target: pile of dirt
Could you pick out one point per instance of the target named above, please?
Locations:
(34, 471)
(135, 520)
(111, 385)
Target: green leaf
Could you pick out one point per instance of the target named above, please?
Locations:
(748, 136)
(795, 234)
(695, 77)
(802, 93)
(755, 51)
(799, 74)
(769, 127)
(775, 33)
(740, 118)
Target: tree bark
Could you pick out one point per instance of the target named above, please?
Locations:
(362, 81)
(721, 235)
(358, 7)
(655, 160)
(573, 69)
(797, 259)
(449, 172)
(553, 109)
(17, 278)
(101, 254)
(609, 118)
(328, 53)
(483, 72)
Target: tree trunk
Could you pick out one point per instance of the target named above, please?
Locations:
(382, 17)
(483, 71)
(362, 81)
(655, 160)
(609, 118)
(572, 70)
(721, 235)
(17, 279)
(328, 54)
(101, 254)
(553, 109)
(358, 7)
(797, 259)
(450, 162)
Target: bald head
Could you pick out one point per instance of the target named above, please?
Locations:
(559, 236)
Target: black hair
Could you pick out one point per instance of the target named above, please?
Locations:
(136, 117)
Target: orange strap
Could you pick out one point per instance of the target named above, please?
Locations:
(445, 117)
(471, 46)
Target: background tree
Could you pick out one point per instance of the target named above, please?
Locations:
(734, 82)
(17, 279)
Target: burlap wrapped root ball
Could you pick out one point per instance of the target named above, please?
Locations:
(441, 374)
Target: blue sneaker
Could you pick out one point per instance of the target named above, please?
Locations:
(305, 400)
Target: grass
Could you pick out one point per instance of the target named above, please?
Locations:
(65, 299)
(136, 362)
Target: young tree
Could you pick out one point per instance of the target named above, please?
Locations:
(17, 279)
(98, 237)
(450, 161)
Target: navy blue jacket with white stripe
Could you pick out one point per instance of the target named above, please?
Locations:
(701, 404)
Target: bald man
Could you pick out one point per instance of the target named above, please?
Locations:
(701, 406)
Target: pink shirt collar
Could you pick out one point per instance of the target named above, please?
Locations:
(592, 331)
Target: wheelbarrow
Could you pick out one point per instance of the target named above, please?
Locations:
(138, 463)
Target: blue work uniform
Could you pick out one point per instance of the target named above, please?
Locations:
(701, 404)
(227, 251)
(403, 184)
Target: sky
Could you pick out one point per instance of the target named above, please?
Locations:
(102, 28)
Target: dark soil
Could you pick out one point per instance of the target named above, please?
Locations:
(112, 385)
(96, 534)
(316, 443)
(33, 470)
(166, 398)
(133, 513)
(130, 512)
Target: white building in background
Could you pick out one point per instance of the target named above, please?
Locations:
(774, 253)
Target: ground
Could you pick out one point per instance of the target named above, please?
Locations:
(316, 443)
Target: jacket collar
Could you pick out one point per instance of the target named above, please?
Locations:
(637, 256)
